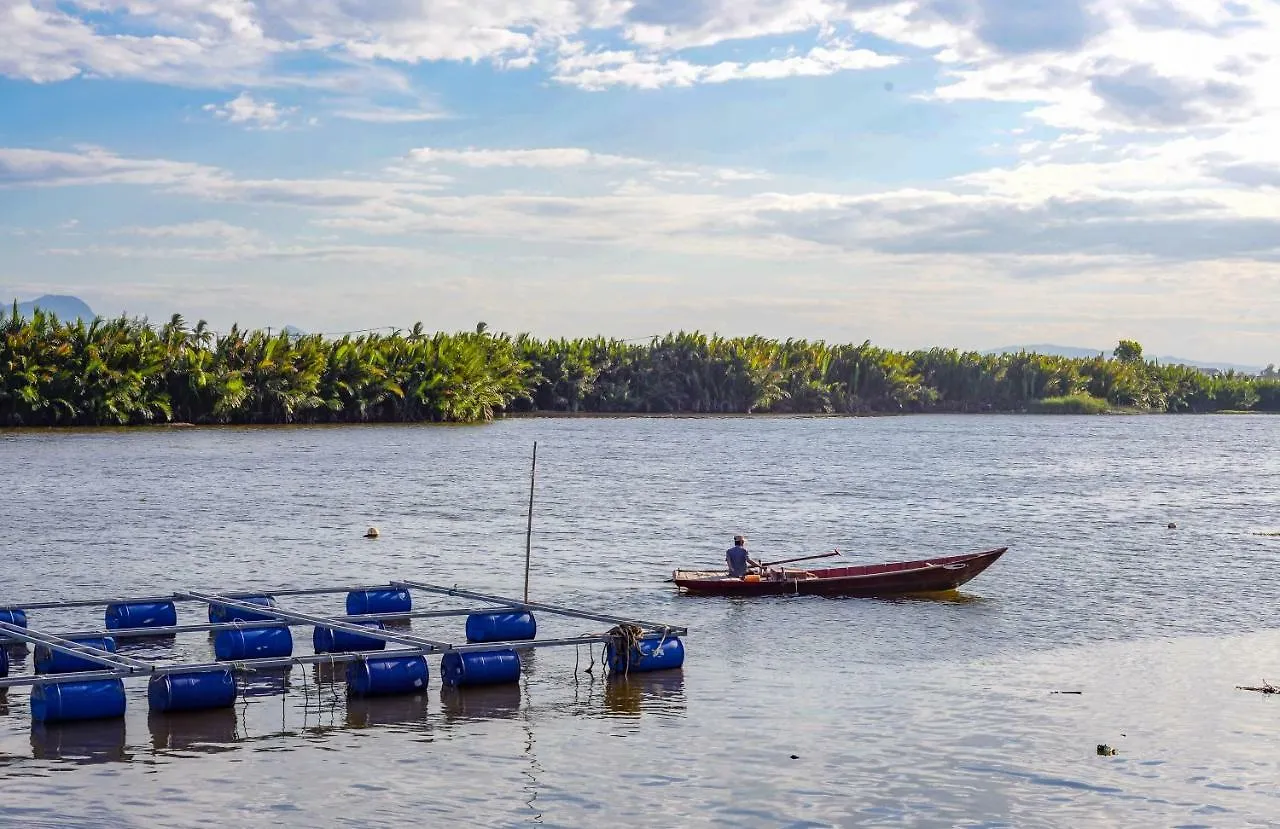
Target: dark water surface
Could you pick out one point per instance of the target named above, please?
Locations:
(916, 713)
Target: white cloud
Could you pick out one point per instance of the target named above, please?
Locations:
(210, 229)
(20, 166)
(1035, 210)
(546, 157)
(608, 69)
(389, 115)
(245, 109)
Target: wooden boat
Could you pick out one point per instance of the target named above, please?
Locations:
(932, 575)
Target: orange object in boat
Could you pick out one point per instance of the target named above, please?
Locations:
(751, 577)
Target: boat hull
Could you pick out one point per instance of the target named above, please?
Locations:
(933, 575)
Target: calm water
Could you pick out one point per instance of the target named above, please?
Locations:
(788, 712)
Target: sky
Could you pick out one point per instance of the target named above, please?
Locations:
(963, 173)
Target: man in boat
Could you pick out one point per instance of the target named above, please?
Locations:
(739, 559)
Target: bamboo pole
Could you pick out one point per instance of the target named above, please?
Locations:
(528, 533)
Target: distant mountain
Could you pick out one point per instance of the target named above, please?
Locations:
(294, 331)
(1086, 353)
(65, 307)
(1052, 350)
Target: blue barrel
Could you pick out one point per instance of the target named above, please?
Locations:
(328, 640)
(4, 661)
(49, 661)
(141, 615)
(651, 653)
(62, 701)
(13, 616)
(382, 675)
(501, 627)
(222, 613)
(194, 691)
(362, 602)
(254, 643)
(479, 667)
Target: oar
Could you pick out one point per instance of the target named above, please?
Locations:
(801, 558)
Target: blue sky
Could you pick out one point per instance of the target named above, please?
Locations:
(968, 173)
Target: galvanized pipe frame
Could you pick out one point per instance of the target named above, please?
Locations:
(57, 643)
(235, 666)
(321, 621)
(656, 627)
(266, 591)
(171, 630)
(125, 667)
(251, 665)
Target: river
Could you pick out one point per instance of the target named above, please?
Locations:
(789, 712)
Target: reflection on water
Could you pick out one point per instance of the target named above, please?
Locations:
(264, 682)
(367, 712)
(660, 692)
(483, 702)
(329, 673)
(200, 731)
(87, 742)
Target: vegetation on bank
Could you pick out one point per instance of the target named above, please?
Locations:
(1081, 403)
(125, 371)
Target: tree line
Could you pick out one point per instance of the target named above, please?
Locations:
(125, 371)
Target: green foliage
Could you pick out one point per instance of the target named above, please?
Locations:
(1079, 404)
(1128, 351)
(127, 372)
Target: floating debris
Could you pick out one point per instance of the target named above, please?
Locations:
(1066, 692)
(1173, 526)
(1105, 750)
(372, 533)
(1267, 688)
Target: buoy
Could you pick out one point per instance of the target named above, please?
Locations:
(219, 613)
(329, 640)
(49, 661)
(1173, 526)
(194, 691)
(383, 675)
(13, 616)
(141, 615)
(60, 702)
(501, 627)
(363, 602)
(372, 533)
(253, 643)
(651, 653)
(479, 667)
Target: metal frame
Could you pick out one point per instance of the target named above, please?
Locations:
(116, 666)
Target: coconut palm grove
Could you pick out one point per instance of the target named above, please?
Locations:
(127, 371)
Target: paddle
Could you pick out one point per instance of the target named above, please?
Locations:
(801, 558)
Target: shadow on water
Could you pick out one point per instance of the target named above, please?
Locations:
(82, 743)
(206, 732)
(494, 702)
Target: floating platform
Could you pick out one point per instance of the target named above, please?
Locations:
(80, 675)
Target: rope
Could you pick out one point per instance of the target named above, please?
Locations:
(624, 639)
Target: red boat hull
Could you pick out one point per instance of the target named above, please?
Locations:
(933, 575)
